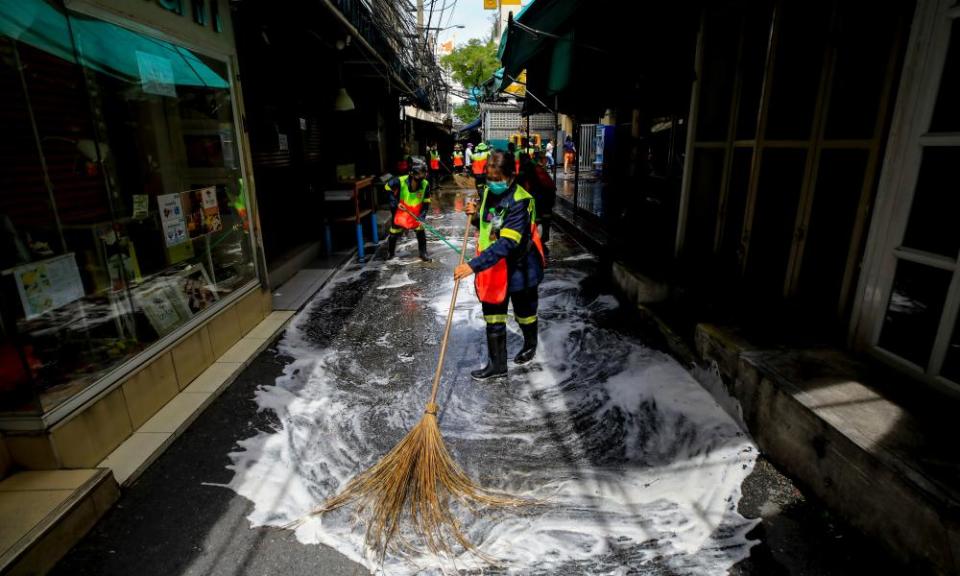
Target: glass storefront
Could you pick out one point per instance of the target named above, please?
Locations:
(123, 213)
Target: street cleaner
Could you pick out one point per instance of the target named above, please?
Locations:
(434, 166)
(509, 263)
(409, 199)
(457, 159)
(479, 165)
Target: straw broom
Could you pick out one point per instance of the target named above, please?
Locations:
(418, 479)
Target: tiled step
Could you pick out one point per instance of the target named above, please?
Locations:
(138, 451)
(44, 513)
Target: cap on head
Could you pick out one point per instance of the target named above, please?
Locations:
(418, 168)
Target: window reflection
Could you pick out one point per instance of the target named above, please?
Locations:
(122, 207)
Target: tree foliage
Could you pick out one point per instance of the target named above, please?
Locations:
(466, 112)
(472, 63)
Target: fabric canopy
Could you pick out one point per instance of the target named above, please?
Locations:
(588, 57)
(471, 126)
(102, 46)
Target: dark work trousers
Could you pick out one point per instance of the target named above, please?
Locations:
(524, 308)
(545, 221)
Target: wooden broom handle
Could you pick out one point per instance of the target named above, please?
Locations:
(432, 406)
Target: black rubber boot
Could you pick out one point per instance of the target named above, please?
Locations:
(529, 343)
(422, 245)
(496, 354)
(391, 246)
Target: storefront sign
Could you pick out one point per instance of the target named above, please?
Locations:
(48, 284)
(173, 223)
(156, 74)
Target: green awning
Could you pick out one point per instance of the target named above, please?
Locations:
(554, 42)
(102, 46)
(517, 46)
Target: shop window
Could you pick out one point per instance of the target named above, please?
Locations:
(122, 204)
(863, 47)
(720, 39)
(704, 202)
(796, 77)
(730, 238)
(946, 114)
(836, 198)
(756, 37)
(774, 220)
(932, 224)
(913, 311)
(951, 363)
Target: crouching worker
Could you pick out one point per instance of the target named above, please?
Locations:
(508, 265)
(409, 200)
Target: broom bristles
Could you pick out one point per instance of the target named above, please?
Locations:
(418, 478)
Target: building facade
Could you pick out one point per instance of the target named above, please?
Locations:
(130, 244)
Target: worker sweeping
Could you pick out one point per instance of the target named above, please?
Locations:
(479, 165)
(417, 481)
(509, 264)
(457, 159)
(409, 198)
(434, 166)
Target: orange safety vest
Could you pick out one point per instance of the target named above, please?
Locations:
(491, 284)
(412, 201)
(434, 160)
(458, 159)
(480, 162)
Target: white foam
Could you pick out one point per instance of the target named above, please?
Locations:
(580, 257)
(640, 465)
(398, 280)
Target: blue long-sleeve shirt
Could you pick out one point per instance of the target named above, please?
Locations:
(524, 266)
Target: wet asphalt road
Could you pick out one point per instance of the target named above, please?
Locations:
(178, 519)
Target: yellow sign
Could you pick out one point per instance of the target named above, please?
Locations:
(509, 2)
(489, 4)
(518, 88)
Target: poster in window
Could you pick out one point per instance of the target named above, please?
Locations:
(156, 74)
(172, 221)
(141, 206)
(202, 211)
(47, 284)
(211, 210)
(163, 305)
(197, 290)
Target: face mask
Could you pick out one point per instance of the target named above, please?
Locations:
(497, 187)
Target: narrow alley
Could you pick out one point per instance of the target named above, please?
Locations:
(642, 469)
